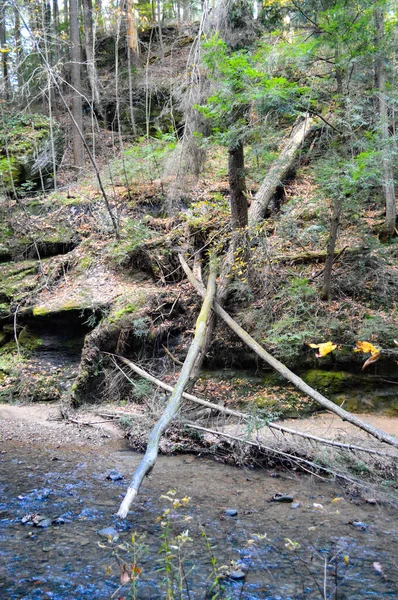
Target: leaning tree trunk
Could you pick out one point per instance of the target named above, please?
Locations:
(174, 403)
(279, 170)
(286, 373)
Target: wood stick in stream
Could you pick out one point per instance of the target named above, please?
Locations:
(174, 403)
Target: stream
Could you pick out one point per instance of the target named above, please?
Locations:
(306, 549)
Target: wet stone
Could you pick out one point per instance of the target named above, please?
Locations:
(282, 498)
(114, 475)
(237, 574)
(295, 505)
(231, 512)
(44, 523)
(109, 533)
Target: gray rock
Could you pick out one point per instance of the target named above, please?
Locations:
(114, 475)
(295, 505)
(43, 523)
(231, 512)
(282, 498)
(109, 533)
(237, 574)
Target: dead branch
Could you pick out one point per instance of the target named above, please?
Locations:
(174, 403)
(261, 446)
(279, 170)
(285, 372)
(246, 417)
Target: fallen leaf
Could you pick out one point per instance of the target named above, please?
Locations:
(366, 348)
(372, 359)
(324, 348)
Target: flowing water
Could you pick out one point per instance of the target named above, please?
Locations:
(310, 551)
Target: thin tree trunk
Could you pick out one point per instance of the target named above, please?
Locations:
(89, 47)
(75, 73)
(132, 56)
(4, 55)
(387, 165)
(18, 43)
(279, 170)
(330, 252)
(174, 403)
(286, 373)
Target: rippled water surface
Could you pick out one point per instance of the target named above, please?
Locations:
(308, 552)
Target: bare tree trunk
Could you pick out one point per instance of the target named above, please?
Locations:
(286, 373)
(279, 170)
(387, 165)
(75, 73)
(4, 55)
(19, 51)
(174, 403)
(133, 51)
(237, 186)
(89, 47)
(330, 252)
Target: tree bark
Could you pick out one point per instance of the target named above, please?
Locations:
(285, 372)
(330, 252)
(174, 403)
(237, 186)
(279, 170)
(75, 75)
(89, 47)
(4, 55)
(386, 161)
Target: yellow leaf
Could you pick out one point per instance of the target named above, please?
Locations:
(366, 347)
(324, 348)
(336, 499)
(372, 359)
(346, 559)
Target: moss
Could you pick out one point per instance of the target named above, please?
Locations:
(125, 307)
(29, 341)
(43, 311)
(330, 381)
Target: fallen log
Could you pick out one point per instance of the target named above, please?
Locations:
(279, 169)
(244, 416)
(285, 372)
(174, 403)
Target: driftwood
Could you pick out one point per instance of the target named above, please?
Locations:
(244, 416)
(285, 372)
(263, 447)
(279, 170)
(174, 403)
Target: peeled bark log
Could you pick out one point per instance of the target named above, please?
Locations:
(285, 372)
(174, 403)
(279, 170)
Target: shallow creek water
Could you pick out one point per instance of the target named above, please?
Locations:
(67, 562)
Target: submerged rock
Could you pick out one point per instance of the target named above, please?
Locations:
(231, 512)
(114, 475)
(108, 533)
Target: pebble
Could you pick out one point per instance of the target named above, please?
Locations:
(43, 523)
(359, 525)
(237, 574)
(231, 512)
(295, 505)
(114, 475)
(108, 533)
(282, 498)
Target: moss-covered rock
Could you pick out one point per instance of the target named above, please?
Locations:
(26, 160)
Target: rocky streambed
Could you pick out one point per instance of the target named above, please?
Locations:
(315, 543)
